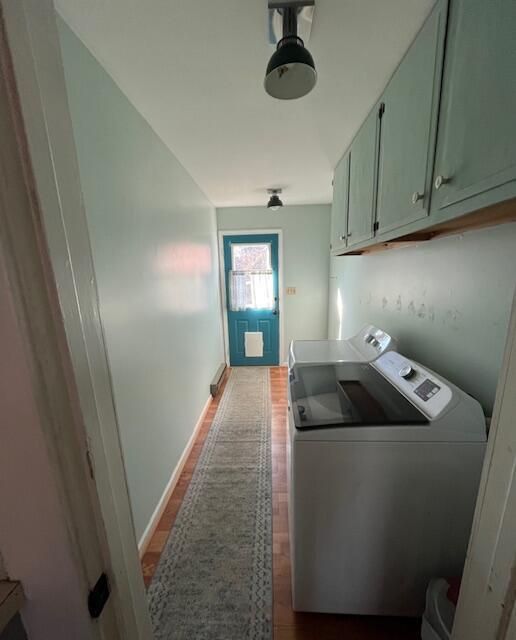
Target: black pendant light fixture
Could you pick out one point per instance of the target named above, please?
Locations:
(274, 203)
(291, 70)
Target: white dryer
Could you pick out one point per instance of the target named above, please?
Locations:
(369, 343)
(384, 464)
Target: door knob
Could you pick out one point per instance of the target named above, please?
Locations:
(440, 180)
(416, 196)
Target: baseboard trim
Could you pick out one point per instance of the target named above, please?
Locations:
(217, 380)
(171, 485)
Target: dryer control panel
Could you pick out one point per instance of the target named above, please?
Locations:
(371, 341)
(424, 389)
(374, 337)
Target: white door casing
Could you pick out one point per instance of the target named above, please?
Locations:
(487, 605)
(281, 290)
(32, 320)
(38, 74)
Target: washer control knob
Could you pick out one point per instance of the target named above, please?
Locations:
(407, 372)
(368, 338)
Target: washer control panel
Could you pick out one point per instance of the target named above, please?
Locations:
(423, 388)
(427, 390)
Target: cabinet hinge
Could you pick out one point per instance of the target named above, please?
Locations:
(381, 110)
(376, 226)
(98, 596)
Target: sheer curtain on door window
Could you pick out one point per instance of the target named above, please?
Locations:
(251, 290)
(251, 283)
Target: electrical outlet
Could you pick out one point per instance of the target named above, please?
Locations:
(291, 291)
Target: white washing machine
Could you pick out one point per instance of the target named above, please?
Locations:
(369, 343)
(384, 464)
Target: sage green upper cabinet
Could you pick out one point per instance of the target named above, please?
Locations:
(408, 128)
(476, 144)
(362, 176)
(339, 207)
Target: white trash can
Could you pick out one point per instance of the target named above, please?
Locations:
(438, 618)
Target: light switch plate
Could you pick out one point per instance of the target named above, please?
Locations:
(291, 291)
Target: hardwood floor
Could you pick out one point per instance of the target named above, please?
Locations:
(288, 625)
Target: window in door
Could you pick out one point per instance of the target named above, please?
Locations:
(251, 277)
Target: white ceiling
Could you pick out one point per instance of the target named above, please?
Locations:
(194, 69)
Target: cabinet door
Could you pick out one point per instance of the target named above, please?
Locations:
(476, 143)
(339, 207)
(362, 176)
(408, 126)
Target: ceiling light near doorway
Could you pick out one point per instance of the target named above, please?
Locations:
(291, 70)
(274, 203)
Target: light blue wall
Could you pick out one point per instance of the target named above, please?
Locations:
(153, 236)
(447, 301)
(306, 232)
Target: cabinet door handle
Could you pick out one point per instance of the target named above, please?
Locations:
(440, 180)
(416, 196)
(349, 235)
(342, 237)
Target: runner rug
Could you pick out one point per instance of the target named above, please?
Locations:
(214, 578)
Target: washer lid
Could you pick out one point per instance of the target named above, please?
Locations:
(350, 395)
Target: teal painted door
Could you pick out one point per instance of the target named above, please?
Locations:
(362, 175)
(476, 146)
(251, 270)
(339, 207)
(408, 128)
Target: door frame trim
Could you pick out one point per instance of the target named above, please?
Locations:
(44, 118)
(486, 609)
(34, 295)
(222, 277)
